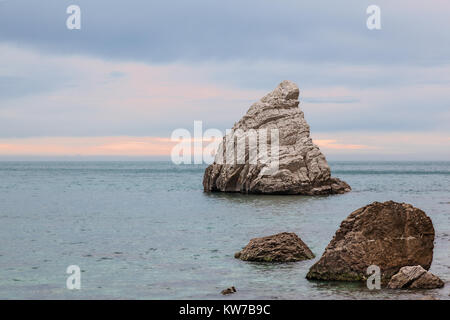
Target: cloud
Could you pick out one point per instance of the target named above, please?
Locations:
(92, 146)
(406, 145)
(85, 96)
(143, 69)
(375, 146)
(334, 144)
(86, 146)
(200, 30)
(144, 100)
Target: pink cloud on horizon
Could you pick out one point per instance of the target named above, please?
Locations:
(330, 144)
(87, 146)
(115, 146)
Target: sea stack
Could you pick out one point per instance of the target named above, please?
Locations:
(390, 235)
(301, 168)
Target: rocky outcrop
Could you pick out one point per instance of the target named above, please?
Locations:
(415, 277)
(281, 247)
(296, 167)
(389, 235)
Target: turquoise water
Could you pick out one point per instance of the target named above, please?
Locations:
(145, 230)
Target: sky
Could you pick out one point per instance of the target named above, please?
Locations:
(138, 70)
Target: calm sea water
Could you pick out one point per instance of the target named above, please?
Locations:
(145, 230)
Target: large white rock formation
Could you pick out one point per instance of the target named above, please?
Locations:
(296, 167)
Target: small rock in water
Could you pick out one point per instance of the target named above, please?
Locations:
(229, 290)
(415, 277)
(429, 298)
(281, 247)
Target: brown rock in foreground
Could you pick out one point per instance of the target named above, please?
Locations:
(281, 247)
(390, 235)
(415, 277)
(302, 168)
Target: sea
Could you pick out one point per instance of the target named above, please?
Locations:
(146, 230)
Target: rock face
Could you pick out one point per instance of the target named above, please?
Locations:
(229, 290)
(281, 247)
(389, 235)
(301, 167)
(415, 277)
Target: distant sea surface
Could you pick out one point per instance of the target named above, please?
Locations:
(146, 230)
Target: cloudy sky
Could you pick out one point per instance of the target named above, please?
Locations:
(137, 70)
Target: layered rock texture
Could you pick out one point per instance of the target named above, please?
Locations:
(415, 277)
(281, 247)
(389, 235)
(301, 167)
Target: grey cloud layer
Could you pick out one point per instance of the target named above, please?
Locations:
(197, 30)
(394, 79)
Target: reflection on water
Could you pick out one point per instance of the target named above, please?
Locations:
(262, 202)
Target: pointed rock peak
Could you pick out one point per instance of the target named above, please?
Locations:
(286, 90)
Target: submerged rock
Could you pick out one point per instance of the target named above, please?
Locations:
(281, 247)
(229, 290)
(389, 235)
(301, 167)
(415, 277)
